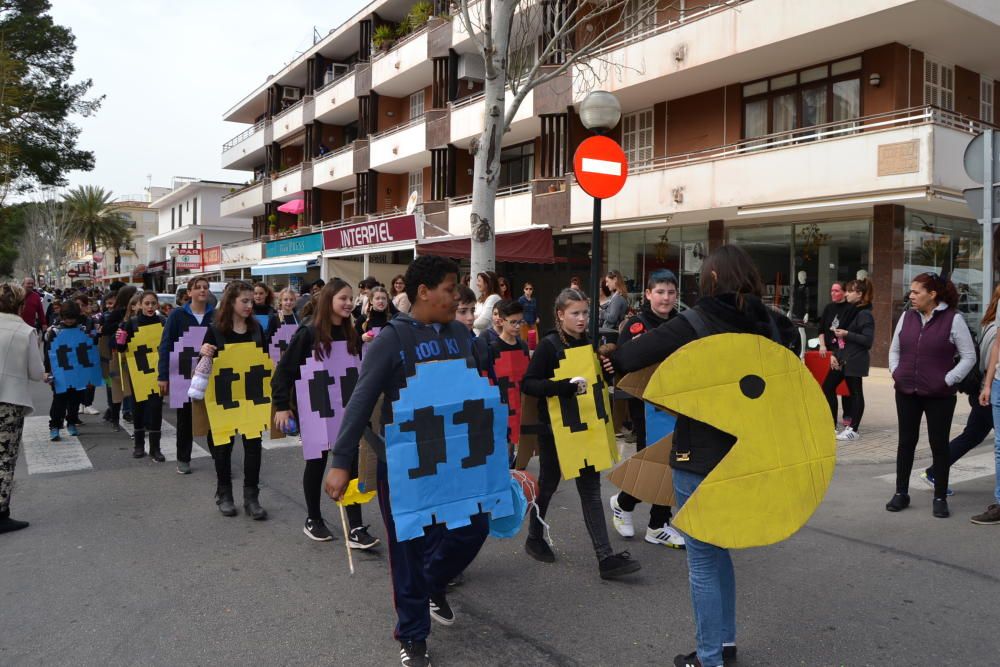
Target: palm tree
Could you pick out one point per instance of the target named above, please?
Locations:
(94, 219)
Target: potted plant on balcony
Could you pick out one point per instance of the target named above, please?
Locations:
(272, 224)
(419, 14)
(383, 37)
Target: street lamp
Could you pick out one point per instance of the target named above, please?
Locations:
(599, 113)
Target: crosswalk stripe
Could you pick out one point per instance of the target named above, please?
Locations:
(280, 443)
(44, 456)
(168, 441)
(964, 470)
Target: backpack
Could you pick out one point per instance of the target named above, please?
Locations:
(972, 383)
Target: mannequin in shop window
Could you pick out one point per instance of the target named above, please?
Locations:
(800, 300)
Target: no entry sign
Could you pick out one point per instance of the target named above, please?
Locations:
(600, 167)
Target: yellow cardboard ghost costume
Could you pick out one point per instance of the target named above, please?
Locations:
(581, 424)
(141, 358)
(238, 398)
(776, 474)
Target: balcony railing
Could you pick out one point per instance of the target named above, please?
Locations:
(508, 191)
(825, 132)
(294, 168)
(467, 101)
(334, 153)
(230, 195)
(287, 110)
(695, 14)
(245, 134)
(381, 53)
(396, 128)
(335, 81)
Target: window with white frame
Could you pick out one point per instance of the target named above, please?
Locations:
(640, 16)
(417, 104)
(637, 137)
(415, 183)
(939, 84)
(986, 99)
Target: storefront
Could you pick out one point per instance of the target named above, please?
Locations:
(212, 263)
(238, 258)
(638, 253)
(379, 248)
(290, 262)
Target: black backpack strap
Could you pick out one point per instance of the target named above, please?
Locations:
(775, 332)
(697, 322)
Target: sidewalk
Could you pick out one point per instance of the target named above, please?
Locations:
(879, 429)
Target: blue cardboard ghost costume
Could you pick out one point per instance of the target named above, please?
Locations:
(446, 453)
(74, 360)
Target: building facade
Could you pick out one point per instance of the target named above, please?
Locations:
(824, 138)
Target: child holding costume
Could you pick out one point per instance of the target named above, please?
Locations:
(571, 316)
(331, 324)
(147, 411)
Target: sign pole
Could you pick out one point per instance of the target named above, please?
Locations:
(988, 178)
(596, 255)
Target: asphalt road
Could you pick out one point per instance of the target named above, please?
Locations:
(128, 563)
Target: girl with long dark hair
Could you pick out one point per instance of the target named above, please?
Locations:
(488, 287)
(852, 357)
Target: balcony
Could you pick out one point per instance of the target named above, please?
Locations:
(513, 210)
(335, 171)
(401, 148)
(404, 67)
(468, 119)
(246, 150)
(336, 102)
(905, 155)
(293, 119)
(290, 183)
(246, 202)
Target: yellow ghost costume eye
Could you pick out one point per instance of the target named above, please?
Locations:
(238, 397)
(777, 473)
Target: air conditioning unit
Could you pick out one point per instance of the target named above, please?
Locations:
(290, 93)
(471, 67)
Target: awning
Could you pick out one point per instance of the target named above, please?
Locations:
(287, 265)
(531, 246)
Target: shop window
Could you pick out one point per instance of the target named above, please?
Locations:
(517, 164)
(415, 183)
(637, 137)
(417, 104)
(813, 96)
(637, 254)
(939, 84)
(986, 100)
(950, 247)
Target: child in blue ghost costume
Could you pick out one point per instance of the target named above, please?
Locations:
(72, 362)
(412, 353)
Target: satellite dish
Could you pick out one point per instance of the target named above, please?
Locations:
(412, 202)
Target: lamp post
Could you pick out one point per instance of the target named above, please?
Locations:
(599, 113)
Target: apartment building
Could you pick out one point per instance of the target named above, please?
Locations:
(825, 138)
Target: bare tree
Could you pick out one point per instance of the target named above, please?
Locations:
(573, 34)
(47, 237)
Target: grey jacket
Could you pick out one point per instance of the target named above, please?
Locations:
(20, 361)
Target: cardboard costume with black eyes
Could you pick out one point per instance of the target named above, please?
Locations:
(321, 394)
(238, 398)
(74, 360)
(183, 358)
(279, 340)
(777, 472)
(445, 447)
(141, 359)
(509, 368)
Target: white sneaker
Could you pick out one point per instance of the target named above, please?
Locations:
(667, 536)
(848, 434)
(89, 410)
(621, 519)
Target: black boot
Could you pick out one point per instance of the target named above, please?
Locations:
(139, 450)
(224, 499)
(251, 503)
(154, 447)
(8, 525)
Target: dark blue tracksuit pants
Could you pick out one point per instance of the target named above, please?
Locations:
(423, 566)
(978, 426)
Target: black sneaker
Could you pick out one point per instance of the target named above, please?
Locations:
(689, 660)
(414, 654)
(899, 502)
(991, 517)
(538, 549)
(941, 508)
(127, 416)
(317, 530)
(441, 611)
(618, 565)
(360, 539)
(457, 581)
(728, 654)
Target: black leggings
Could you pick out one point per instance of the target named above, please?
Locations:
(312, 488)
(939, 411)
(659, 515)
(223, 456)
(855, 408)
(588, 486)
(148, 414)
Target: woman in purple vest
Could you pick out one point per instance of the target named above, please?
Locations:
(929, 337)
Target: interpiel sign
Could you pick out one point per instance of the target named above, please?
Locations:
(377, 232)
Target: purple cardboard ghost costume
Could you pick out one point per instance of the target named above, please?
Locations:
(279, 341)
(183, 359)
(321, 392)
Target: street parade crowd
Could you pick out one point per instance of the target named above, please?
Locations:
(435, 398)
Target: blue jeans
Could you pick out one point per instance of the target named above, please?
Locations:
(713, 584)
(995, 401)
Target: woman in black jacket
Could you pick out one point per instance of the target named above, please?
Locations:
(730, 302)
(851, 362)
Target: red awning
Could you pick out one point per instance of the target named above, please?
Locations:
(532, 246)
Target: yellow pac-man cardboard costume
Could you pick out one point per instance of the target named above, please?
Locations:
(238, 398)
(776, 474)
(581, 424)
(142, 357)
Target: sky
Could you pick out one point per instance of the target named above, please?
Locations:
(169, 70)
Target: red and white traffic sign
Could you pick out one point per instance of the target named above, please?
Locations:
(600, 167)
